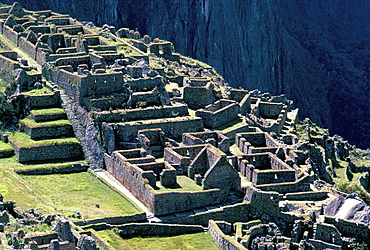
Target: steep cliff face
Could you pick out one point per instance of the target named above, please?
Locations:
(316, 52)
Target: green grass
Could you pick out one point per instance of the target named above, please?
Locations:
(51, 111)
(184, 184)
(23, 140)
(350, 186)
(14, 226)
(37, 92)
(201, 241)
(28, 167)
(5, 146)
(3, 85)
(32, 124)
(33, 72)
(128, 50)
(80, 192)
(13, 188)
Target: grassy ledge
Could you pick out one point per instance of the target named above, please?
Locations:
(24, 140)
(32, 124)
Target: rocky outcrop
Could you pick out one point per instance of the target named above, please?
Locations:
(316, 52)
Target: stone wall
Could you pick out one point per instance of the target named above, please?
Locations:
(143, 113)
(131, 177)
(269, 110)
(215, 138)
(135, 180)
(50, 131)
(172, 127)
(39, 101)
(231, 213)
(265, 168)
(42, 239)
(47, 152)
(171, 202)
(73, 61)
(146, 83)
(223, 241)
(86, 132)
(10, 34)
(268, 202)
(301, 185)
(74, 168)
(219, 113)
(155, 229)
(108, 102)
(349, 228)
(8, 64)
(306, 196)
(245, 104)
(68, 81)
(256, 142)
(114, 220)
(197, 96)
(27, 47)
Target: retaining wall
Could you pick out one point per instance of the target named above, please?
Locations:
(222, 240)
(172, 127)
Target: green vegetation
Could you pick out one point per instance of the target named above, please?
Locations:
(5, 146)
(3, 85)
(14, 226)
(128, 50)
(51, 111)
(350, 186)
(13, 188)
(38, 92)
(32, 124)
(33, 72)
(184, 183)
(197, 241)
(80, 192)
(23, 140)
(49, 165)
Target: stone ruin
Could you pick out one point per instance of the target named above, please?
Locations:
(151, 117)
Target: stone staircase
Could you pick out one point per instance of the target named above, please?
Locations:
(290, 121)
(46, 134)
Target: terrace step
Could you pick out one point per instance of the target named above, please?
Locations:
(43, 100)
(53, 167)
(51, 114)
(28, 150)
(47, 129)
(6, 150)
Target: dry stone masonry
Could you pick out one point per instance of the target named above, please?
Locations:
(166, 127)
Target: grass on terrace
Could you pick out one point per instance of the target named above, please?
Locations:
(38, 92)
(3, 84)
(32, 124)
(51, 111)
(23, 140)
(61, 193)
(184, 184)
(203, 241)
(5, 146)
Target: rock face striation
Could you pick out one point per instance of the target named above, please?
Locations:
(316, 52)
